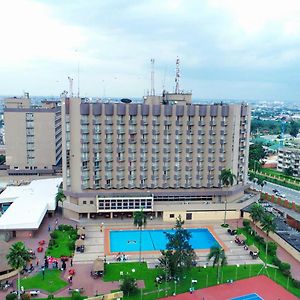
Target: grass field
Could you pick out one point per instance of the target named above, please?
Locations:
(63, 245)
(51, 283)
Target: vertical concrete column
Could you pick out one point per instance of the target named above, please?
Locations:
(88, 215)
(111, 215)
(156, 214)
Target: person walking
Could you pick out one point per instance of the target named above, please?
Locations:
(71, 262)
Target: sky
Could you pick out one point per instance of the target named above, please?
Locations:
(228, 49)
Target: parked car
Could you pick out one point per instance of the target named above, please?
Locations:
(275, 191)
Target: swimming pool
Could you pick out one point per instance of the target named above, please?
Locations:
(253, 296)
(155, 240)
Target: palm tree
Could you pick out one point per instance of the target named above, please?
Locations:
(17, 258)
(268, 225)
(227, 178)
(140, 220)
(60, 196)
(218, 254)
(256, 213)
(251, 177)
(261, 182)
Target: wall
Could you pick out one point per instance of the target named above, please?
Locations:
(201, 215)
(281, 242)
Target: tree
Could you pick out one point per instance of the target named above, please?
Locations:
(257, 152)
(218, 254)
(255, 165)
(140, 220)
(256, 213)
(60, 196)
(227, 178)
(268, 225)
(2, 159)
(17, 258)
(294, 128)
(179, 256)
(289, 171)
(261, 183)
(129, 285)
(252, 177)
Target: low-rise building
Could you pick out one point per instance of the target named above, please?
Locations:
(289, 158)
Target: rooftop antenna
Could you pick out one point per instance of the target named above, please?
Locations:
(78, 74)
(177, 76)
(70, 87)
(152, 91)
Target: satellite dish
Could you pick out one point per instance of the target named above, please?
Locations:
(125, 100)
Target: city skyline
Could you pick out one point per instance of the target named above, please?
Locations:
(228, 50)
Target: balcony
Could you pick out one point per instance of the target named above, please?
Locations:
(132, 130)
(144, 168)
(96, 140)
(120, 176)
(120, 159)
(178, 159)
(178, 131)
(84, 158)
(84, 130)
(167, 141)
(144, 131)
(212, 132)
(224, 123)
(177, 168)
(201, 132)
(212, 141)
(121, 122)
(200, 159)
(200, 150)
(108, 159)
(132, 141)
(144, 141)
(120, 141)
(97, 158)
(108, 140)
(132, 122)
(108, 122)
(108, 130)
(167, 122)
(120, 130)
(189, 141)
(108, 168)
(96, 130)
(132, 149)
(155, 131)
(143, 159)
(213, 123)
(84, 122)
(120, 149)
(188, 158)
(84, 140)
(166, 159)
(178, 141)
(109, 150)
(201, 141)
(155, 123)
(155, 150)
(144, 122)
(132, 158)
(96, 122)
(155, 159)
(155, 141)
(201, 123)
(178, 150)
(211, 159)
(179, 122)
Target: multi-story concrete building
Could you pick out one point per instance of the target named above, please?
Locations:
(167, 159)
(32, 136)
(289, 158)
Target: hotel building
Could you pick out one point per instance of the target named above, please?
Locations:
(165, 158)
(32, 136)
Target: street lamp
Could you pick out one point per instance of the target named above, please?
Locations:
(236, 273)
(175, 282)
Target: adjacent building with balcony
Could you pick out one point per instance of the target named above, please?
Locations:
(32, 136)
(166, 159)
(289, 158)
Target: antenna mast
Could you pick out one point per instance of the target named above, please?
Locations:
(70, 87)
(152, 91)
(177, 76)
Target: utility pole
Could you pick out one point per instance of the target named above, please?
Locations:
(152, 90)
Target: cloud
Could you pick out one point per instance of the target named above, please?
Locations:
(229, 44)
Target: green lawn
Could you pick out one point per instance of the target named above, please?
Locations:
(279, 175)
(205, 277)
(62, 244)
(51, 283)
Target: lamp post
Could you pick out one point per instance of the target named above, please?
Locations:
(236, 273)
(175, 282)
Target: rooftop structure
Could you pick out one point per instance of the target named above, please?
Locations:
(29, 205)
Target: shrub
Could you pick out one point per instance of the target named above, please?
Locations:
(246, 223)
(285, 268)
(129, 286)
(272, 248)
(225, 225)
(54, 235)
(296, 283)
(11, 297)
(71, 246)
(76, 296)
(50, 297)
(26, 296)
(64, 227)
(276, 261)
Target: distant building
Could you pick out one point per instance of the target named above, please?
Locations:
(289, 158)
(166, 157)
(32, 136)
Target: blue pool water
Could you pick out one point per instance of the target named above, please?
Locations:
(155, 240)
(248, 297)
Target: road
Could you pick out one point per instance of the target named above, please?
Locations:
(290, 194)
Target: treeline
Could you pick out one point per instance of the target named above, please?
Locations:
(274, 126)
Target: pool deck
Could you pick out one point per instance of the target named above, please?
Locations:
(97, 243)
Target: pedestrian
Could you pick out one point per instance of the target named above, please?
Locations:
(101, 226)
(71, 262)
(56, 223)
(37, 262)
(49, 227)
(43, 272)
